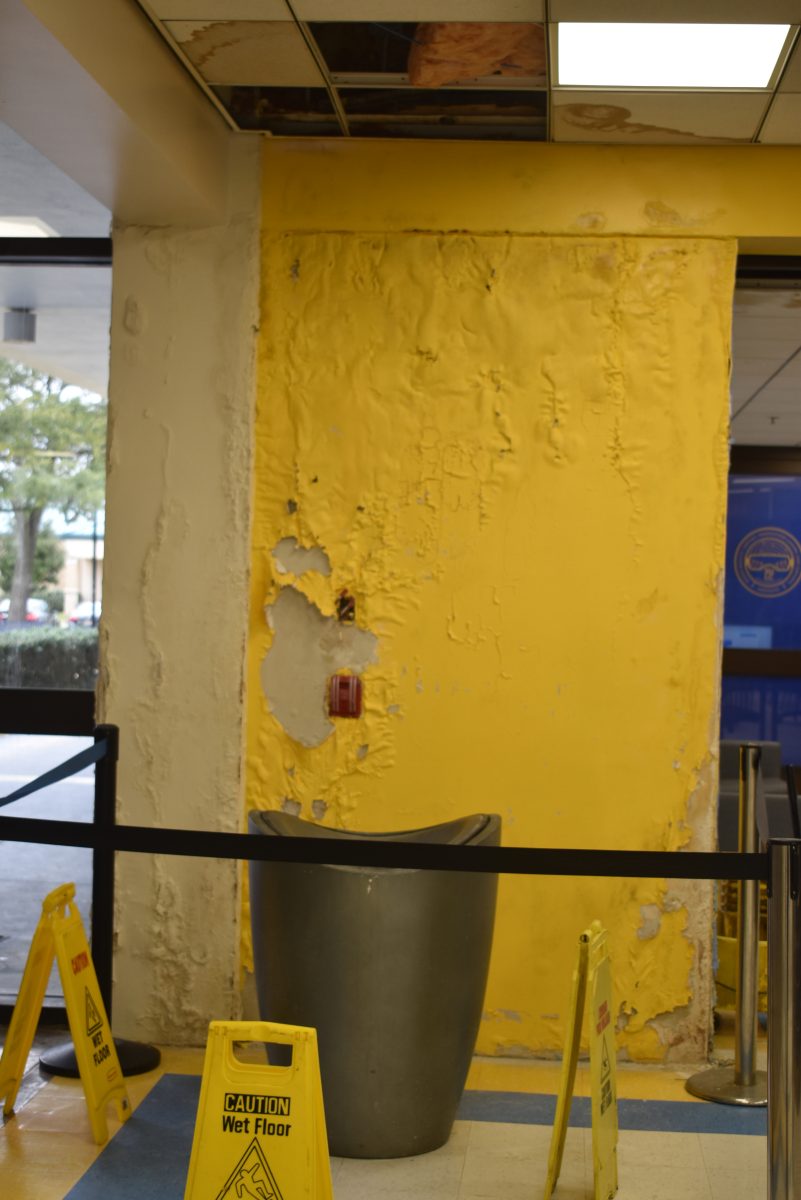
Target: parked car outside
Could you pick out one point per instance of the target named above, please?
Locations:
(86, 613)
(37, 612)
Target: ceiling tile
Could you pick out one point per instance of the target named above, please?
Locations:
(692, 11)
(757, 435)
(250, 53)
(655, 118)
(769, 328)
(754, 350)
(755, 303)
(220, 10)
(420, 10)
(783, 124)
(791, 79)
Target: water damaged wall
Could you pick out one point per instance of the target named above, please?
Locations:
(174, 601)
(490, 483)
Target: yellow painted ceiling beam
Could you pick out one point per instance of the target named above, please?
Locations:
(748, 192)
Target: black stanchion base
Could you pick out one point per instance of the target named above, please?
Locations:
(135, 1059)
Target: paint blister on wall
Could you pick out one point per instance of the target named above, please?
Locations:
(345, 696)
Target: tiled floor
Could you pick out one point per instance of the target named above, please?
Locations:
(46, 1146)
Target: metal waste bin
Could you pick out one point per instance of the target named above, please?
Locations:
(390, 967)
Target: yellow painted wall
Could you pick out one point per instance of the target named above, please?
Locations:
(512, 450)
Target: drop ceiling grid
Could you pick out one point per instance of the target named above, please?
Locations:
(254, 61)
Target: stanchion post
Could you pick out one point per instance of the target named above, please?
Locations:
(784, 1021)
(747, 927)
(743, 1083)
(103, 863)
(135, 1057)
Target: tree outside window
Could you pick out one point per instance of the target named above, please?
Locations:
(52, 456)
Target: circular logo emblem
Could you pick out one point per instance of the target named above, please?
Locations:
(767, 562)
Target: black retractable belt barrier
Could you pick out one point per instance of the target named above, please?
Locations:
(503, 860)
(784, 884)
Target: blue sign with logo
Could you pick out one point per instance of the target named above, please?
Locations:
(762, 607)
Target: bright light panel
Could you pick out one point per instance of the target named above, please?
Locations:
(25, 227)
(595, 54)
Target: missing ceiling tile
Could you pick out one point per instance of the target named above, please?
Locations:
(446, 113)
(284, 111)
(367, 47)
(452, 52)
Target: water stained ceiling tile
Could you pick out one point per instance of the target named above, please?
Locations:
(220, 10)
(421, 10)
(655, 118)
(252, 53)
(692, 11)
(783, 124)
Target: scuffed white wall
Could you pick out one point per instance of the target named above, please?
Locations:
(184, 320)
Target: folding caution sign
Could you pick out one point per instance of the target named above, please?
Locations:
(260, 1129)
(593, 974)
(28, 1007)
(603, 1082)
(60, 933)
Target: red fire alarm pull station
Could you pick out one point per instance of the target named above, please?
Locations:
(345, 696)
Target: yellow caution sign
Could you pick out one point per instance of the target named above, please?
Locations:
(260, 1129)
(593, 967)
(603, 1080)
(60, 934)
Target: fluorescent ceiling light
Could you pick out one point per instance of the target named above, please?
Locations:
(25, 227)
(600, 54)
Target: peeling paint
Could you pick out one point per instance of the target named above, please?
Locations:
(307, 648)
(651, 921)
(503, 476)
(292, 558)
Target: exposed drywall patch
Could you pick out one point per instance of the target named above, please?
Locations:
(319, 809)
(307, 649)
(293, 559)
(291, 806)
(651, 921)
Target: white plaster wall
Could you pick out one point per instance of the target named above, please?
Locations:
(183, 326)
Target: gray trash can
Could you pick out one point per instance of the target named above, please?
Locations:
(390, 967)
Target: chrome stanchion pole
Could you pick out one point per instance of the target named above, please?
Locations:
(784, 1022)
(742, 1083)
(745, 1028)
